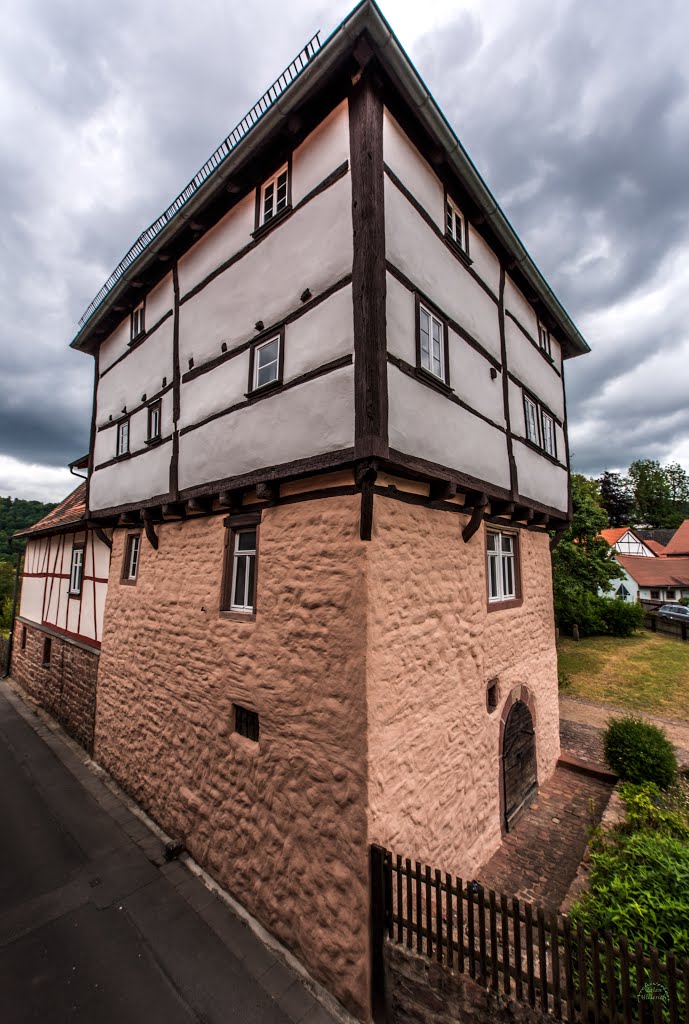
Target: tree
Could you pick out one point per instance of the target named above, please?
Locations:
(616, 498)
(678, 485)
(653, 505)
(581, 561)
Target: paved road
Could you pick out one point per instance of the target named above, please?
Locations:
(95, 928)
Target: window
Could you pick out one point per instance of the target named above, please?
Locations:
(492, 694)
(455, 224)
(243, 571)
(670, 595)
(274, 196)
(47, 648)
(154, 421)
(246, 723)
(77, 571)
(622, 592)
(431, 343)
(23, 638)
(548, 427)
(503, 566)
(531, 415)
(137, 321)
(132, 550)
(655, 595)
(544, 339)
(123, 437)
(266, 363)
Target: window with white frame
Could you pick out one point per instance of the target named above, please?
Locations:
(123, 437)
(274, 195)
(548, 426)
(266, 363)
(243, 570)
(431, 343)
(130, 568)
(544, 338)
(502, 566)
(455, 224)
(154, 421)
(138, 321)
(76, 574)
(531, 417)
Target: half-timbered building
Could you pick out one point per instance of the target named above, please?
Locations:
(330, 436)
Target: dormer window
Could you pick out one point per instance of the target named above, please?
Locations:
(137, 321)
(123, 437)
(456, 224)
(544, 339)
(274, 196)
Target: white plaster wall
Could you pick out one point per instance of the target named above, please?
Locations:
(486, 263)
(527, 363)
(140, 373)
(101, 555)
(540, 479)
(317, 337)
(416, 250)
(87, 625)
(471, 380)
(518, 419)
(159, 301)
(401, 320)
(145, 476)
(312, 419)
(517, 304)
(313, 249)
(73, 610)
(31, 605)
(115, 344)
(629, 582)
(228, 236)
(442, 432)
(415, 173)
(321, 152)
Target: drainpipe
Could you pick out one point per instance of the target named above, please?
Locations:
(15, 598)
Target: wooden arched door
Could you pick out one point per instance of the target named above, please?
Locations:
(518, 763)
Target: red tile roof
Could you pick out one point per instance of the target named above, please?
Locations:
(679, 545)
(656, 572)
(613, 534)
(656, 547)
(69, 512)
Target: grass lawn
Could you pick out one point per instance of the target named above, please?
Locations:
(645, 672)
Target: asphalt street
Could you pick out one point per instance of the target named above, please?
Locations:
(95, 926)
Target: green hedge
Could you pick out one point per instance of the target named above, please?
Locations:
(596, 615)
(640, 752)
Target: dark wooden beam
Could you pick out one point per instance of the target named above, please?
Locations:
(268, 491)
(502, 508)
(441, 490)
(476, 517)
(365, 474)
(149, 529)
(174, 510)
(102, 535)
(200, 504)
(557, 536)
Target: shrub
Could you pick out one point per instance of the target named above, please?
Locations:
(640, 752)
(620, 618)
(649, 807)
(582, 610)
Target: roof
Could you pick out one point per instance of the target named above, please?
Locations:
(615, 533)
(144, 258)
(679, 545)
(68, 513)
(662, 535)
(656, 572)
(656, 547)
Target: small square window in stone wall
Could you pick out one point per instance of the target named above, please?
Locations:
(492, 694)
(246, 722)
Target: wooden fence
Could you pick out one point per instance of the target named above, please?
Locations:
(670, 627)
(517, 949)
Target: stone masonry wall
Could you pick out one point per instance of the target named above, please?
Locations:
(419, 991)
(282, 823)
(66, 687)
(434, 765)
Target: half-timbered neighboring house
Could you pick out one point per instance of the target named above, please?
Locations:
(59, 629)
(330, 436)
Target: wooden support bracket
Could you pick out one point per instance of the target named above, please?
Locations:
(268, 491)
(557, 537)
(476, 518)
(102, 535)
(149, 530)
(441, 490)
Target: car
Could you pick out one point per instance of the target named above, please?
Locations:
(678, 612)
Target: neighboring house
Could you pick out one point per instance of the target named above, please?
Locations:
(656, 547)
(330, 438)
(679, 542)
(654, 580)
(626, 541)
(60, 623)
(657, 539)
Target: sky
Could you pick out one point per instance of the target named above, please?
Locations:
(576, 113)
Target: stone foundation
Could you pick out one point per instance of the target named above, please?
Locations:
(421, 991)
(66, 688)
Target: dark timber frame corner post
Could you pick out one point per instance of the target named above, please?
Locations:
(366, 473)
(380, 910)
(368, 267)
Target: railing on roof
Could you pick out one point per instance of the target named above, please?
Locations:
(292, 71)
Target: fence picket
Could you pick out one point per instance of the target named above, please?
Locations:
(438, 917)
(400, 918)
(505, 930)
(494, 980)
(569, 970)
(656, 1002)
(671, 970)
(528, 942)
(419, 916)
(482, 934)
(610, 974)
(542, 962)
(470, 929)
(410, 905)
(517, 932)
(448, 918)
(555, 966)
(460, 925)
(595, 973)
(429, 915)
(624, 972)
(583, 974)
(639, 958)
(685, 975)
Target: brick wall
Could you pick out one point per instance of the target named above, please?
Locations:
(66, 687)
(419, 991)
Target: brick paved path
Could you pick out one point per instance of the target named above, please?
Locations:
(539, 860)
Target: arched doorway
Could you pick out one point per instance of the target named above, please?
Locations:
(519, 778)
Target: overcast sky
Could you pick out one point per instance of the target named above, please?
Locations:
(576, 113)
